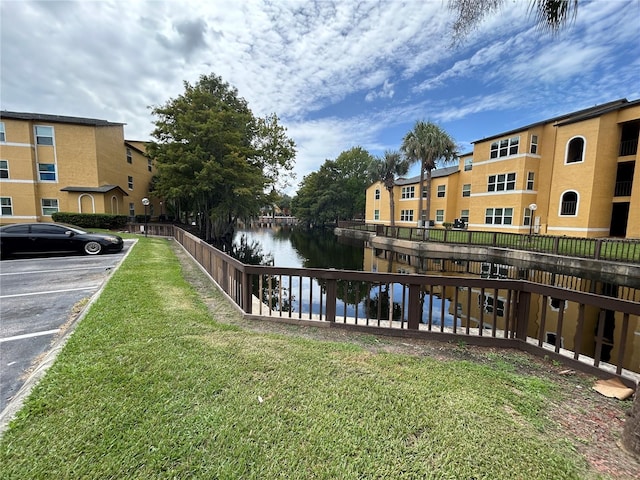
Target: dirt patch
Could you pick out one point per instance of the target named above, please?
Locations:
(590, 422)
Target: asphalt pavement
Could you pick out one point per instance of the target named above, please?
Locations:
(40, 297)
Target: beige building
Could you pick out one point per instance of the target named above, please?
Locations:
(571, 175)
(51, 163)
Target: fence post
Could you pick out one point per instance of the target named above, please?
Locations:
(247, 292)
(414, 313)
(598, 249)
(225, 276)
(522, 315)
(332, 290)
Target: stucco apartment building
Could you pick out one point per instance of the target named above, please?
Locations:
(51, 163)
(571, 175)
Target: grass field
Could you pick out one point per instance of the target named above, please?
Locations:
(151, 386)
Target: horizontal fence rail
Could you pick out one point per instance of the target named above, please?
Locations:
(570, 326)
(610, 249)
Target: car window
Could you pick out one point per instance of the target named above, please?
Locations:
(48, 229)
(16, 229)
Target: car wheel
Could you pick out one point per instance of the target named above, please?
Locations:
(92, 248)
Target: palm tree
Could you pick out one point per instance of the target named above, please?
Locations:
(549, 15)
(385, 170)
(427, 143)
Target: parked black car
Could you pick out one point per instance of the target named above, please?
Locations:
(55, 237)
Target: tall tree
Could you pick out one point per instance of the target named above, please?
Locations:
(428, 144)
(336, 191)
(386, 170)
(549, 15)
(214, 158)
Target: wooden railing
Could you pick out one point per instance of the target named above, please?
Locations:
(504, 313)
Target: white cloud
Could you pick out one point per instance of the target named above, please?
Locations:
(385, 92)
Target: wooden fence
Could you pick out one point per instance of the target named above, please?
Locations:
(557, 323)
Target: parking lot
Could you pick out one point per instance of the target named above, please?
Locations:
(40, 297)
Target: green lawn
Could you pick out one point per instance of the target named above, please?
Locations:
(150, 386)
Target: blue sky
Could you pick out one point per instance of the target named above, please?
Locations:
(338, 74)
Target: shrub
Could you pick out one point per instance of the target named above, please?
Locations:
(92, 220)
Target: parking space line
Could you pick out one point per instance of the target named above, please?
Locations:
(56, 270)
(29, 335)
(48, 292)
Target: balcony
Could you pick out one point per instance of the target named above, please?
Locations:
(628, 147)
(623, 189)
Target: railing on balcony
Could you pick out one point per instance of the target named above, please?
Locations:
(502, 313)
(628, 147)
(623, 189)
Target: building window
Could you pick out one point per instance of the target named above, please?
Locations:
(4, 169)
(439, 215)
(464, 216)
(526, 219)
(132, 210)
(424, 192)
(498, 216)
(494, 270)
(377, 196)
(376, 214)
(149, 164)
(466, 190)
(3, 137)
(501, 182)
(130, 182)
(49, 206)
(556, 304)
(489, 303)
(530, 182)
(129, 156)
(534, 144)
(505, 147)
(5, 206)
(441, 191)
(468, 164)
(408, 192)
(406, 215)
(47, 172)
(569, 204)
(575, 150)
(44, 135)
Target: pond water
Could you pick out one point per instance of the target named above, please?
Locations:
(371, 300)
(322, 249)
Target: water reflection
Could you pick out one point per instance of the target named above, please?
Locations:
(322, 249)
(550, 319)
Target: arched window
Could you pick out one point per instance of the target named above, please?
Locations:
(575, 150)
(569, 204)
(377, 194)
(114, 205)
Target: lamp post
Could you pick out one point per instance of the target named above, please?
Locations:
(145, 202)
(532, 208)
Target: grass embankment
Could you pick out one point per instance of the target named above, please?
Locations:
(150, 386)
